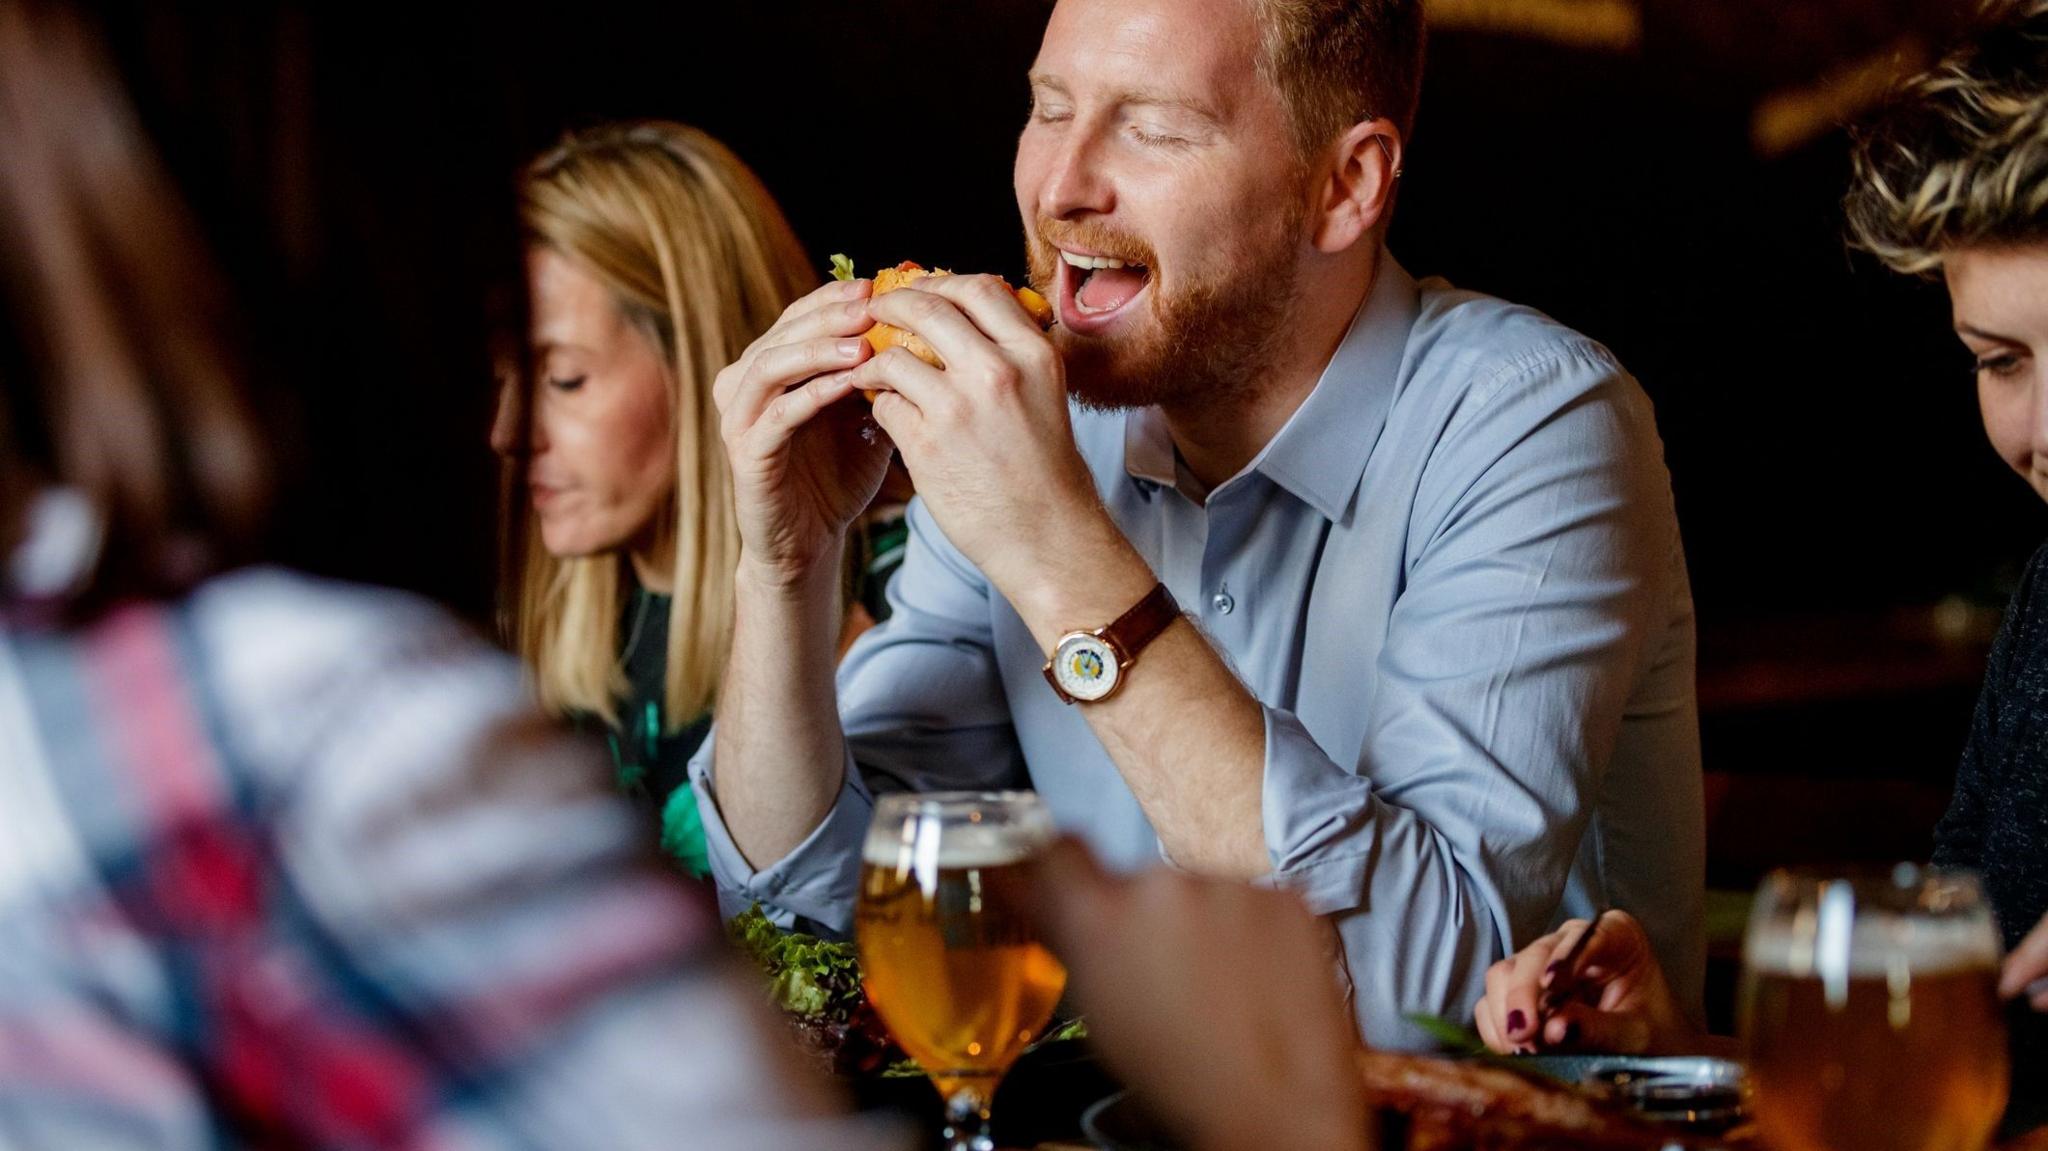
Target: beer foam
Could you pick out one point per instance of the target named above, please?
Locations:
(953, 847)
(1871, 949)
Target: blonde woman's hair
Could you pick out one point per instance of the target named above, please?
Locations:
(1959, 156)
(697, 256)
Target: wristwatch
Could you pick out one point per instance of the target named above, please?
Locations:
(1087, 666)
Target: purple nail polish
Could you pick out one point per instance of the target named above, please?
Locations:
(1517, 1021)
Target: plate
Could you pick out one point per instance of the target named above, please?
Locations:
(1696, 1092)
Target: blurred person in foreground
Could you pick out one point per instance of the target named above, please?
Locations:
(283, 861)
(1350, 584)
(286, 862)
(1951, 179)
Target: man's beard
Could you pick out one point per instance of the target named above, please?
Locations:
(1206, 342)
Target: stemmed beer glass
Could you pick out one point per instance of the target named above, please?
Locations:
(948, 951)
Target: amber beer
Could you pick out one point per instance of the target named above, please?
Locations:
(948, 952)
(1895, 1042)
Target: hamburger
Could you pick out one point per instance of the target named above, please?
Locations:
(882, 337)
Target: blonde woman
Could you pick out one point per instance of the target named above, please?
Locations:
(654, 257)
(1951, 182)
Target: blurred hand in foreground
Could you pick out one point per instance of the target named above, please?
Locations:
(1216, 1001)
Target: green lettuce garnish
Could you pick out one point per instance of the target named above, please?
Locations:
(842, 268)
(812, 978)
(1454, 1038)
(1075, 1028)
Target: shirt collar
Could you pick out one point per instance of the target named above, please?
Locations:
(1148, 448)
(1319, 454)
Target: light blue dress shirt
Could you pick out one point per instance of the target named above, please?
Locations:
(1455, 584)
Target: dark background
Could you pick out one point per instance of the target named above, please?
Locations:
(1820, 422)
(1832, 478)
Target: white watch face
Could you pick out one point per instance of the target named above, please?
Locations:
(1085, 667)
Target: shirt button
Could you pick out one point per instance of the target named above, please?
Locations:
(1222, 602)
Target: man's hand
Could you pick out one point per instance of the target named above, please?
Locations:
(1218, 1002)
(1622, 1005)
(802, 467)
(2026, 969)
(988, 440)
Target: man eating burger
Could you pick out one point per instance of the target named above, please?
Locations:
(1267, 559)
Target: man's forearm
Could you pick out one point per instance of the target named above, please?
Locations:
(1190, 741)
(780, 753)
(1187, 736)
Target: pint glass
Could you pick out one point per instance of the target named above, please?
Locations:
(1870, 1009)
(948, 952)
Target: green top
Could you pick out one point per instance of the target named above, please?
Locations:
(652, 764)
(649, 763)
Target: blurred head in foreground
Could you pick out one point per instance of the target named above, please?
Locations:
(124, 438)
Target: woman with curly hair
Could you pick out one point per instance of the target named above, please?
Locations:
(1951, 182)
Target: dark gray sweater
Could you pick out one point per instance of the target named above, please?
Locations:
(1997, 824)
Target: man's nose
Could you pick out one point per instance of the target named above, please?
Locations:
(1076, 184)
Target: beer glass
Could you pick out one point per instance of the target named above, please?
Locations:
(1870, 1009)
(948, 952)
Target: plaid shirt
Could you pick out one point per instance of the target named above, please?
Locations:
(291, 864)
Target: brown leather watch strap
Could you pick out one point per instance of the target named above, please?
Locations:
(1131, 631)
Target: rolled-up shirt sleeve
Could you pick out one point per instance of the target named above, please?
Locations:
(1544, 545)
(811, 888)
(923, 709)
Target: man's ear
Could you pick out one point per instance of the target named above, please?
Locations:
(1356, 188)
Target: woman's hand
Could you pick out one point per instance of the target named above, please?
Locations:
(1616, 998)
(803, 464)
(2026, 969)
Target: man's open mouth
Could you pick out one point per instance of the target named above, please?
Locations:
(1094, 289)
